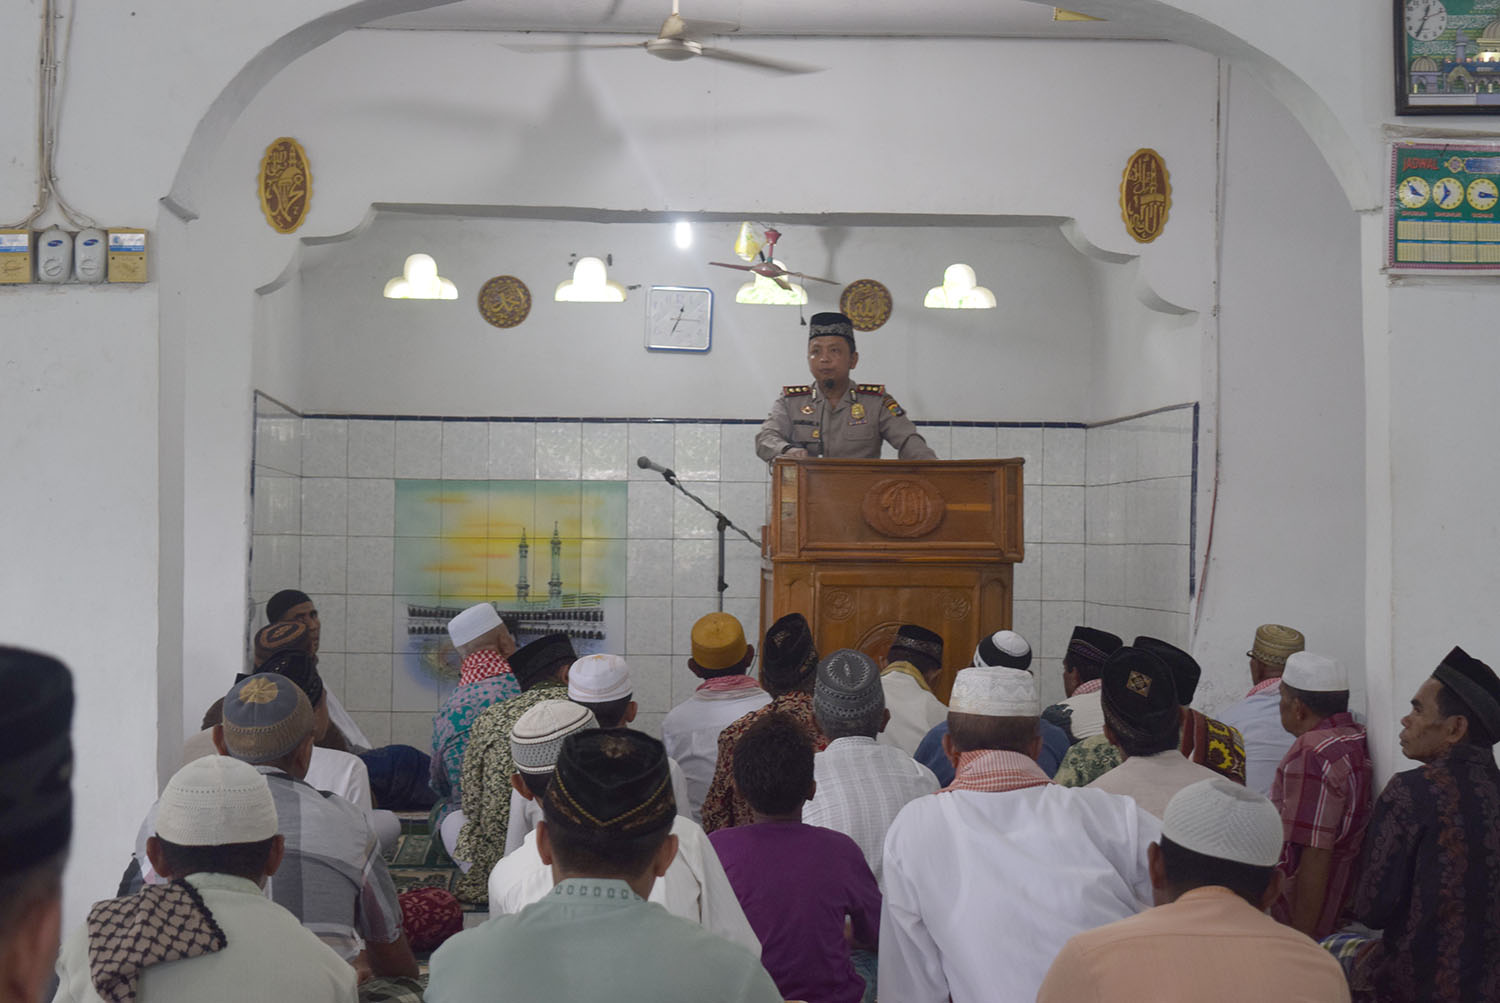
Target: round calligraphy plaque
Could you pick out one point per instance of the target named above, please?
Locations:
(1145, 196)
(866, 303)
(504, 301)
(903, 507)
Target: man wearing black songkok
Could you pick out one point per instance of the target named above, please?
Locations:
(606, 832)
(1431, 871)
(36, 815)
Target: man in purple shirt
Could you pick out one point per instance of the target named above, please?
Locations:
(797, 883)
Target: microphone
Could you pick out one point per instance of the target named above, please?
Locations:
(645, 464)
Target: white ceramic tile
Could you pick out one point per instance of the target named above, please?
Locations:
(1062, 450)
(744, 503)
(278, 443)
(372, 506)
(654, 440)
(1156, 576)
(1026, 620)
(649, 724)
(413, 689)
(275, 563)
(557, 450)
(696, 451)
(648, 627)
(323, 564)
(683, 680)
(370, 564)
(325, 506)
(278, 505)
(512, 450)
(685, 613)
(603, 452)
(940, 438)
(331, 671)
(419, 449)
(651, 683)
(325, 447)
(367, 682)
(1105, 616)
(1062, 514)
(741, 569)
(737, 459)
(368, 624)
(649, 568)
(1026, 577)
(1049, 680)
(695, 567)
(1102, 519)
(1025, 443)
(372, 448)
(970, 443)
(746, 611)
(1104, 573)
(689, 520)
(332, 613)
(412, 728)
(1031, 513)
(1062, 571)
(1166, 444)
(376, 725)
(466, 450)
(1156, 511)
(1058, 620)
(649, 510)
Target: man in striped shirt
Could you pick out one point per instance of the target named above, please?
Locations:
(1322, 789)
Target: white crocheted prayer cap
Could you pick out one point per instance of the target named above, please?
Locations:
(1003, 647)
(1223, 819)
(537, 736)
(214, 801)
(993, 691)
(1314, 673)
(472, 623)
(599, 679)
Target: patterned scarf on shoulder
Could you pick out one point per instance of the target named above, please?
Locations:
(160, 923)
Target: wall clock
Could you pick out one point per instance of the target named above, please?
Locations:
(1447, 57)
(679, 319)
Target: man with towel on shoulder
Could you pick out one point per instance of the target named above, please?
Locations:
(987, 879)
(606, 833)
(913, 666)
(1258, 715)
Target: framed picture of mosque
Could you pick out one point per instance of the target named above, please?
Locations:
(1447, 57)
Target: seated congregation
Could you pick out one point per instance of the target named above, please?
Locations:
(825, 830)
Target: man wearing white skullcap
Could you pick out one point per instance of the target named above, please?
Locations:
(1322, 789)
(1214, 875)
(1002, 848)
(211, 934)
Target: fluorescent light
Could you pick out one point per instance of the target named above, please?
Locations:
(682, 233)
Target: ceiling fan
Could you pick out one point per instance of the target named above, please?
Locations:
(768, 267)
(681, 38)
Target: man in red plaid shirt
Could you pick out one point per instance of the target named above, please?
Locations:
(1322, 789)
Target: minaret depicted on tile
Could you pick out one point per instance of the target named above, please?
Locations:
(523, 587)
(554, 584)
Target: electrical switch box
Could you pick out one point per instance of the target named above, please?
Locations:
(127, 255)
(89, 255)
(15, 255)
(54, 255)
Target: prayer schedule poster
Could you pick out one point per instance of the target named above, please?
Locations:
(1444, 198)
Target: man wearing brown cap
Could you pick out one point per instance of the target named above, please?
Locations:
(36, 816)
(541, 668)
(913, 666)
(788, 668)
(606, 833)
(1258, 714)
(832, 416)
(690, 731)
(1430, 876)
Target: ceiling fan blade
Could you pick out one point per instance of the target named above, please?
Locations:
(781, 281)
(571, 46)
(725, 264)
(815, 278)
(694, 27)
(757, 62)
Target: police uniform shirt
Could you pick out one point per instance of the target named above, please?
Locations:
(851, 427)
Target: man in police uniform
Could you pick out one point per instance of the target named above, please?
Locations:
(833, 417)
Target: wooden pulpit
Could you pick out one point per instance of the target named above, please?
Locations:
(862, 546)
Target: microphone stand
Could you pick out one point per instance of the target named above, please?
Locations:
(722, 522)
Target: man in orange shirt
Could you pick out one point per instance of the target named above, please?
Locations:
(1209, 938)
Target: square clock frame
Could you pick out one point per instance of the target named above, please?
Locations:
(679, 319)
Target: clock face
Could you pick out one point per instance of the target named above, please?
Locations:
(679, 318)
(1447, 193)
(1425, 19)
(1483, 194)
(1414, 192)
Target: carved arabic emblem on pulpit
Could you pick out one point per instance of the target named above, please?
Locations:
(839, 605)
(904, 507)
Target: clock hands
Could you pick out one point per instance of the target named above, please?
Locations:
(680, 311)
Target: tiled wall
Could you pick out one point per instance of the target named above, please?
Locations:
(324, 522)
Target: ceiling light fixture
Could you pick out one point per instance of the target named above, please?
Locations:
(682, 233)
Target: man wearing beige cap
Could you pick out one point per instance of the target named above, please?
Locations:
(1258, 715)
(1214, 875)
(721, 658)
(1322, 789)
(987, 879)
(211, 933)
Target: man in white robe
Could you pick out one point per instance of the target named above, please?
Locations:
(913, 667)
(1258, 714)
(986, 880)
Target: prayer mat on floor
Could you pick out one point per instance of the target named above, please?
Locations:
(393, 989)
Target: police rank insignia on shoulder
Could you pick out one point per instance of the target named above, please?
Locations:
(796, 391)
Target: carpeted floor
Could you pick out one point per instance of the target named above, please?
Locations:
(421, 862)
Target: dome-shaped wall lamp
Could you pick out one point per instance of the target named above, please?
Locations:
(419, 280)
(959, 291)
(590, 284)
